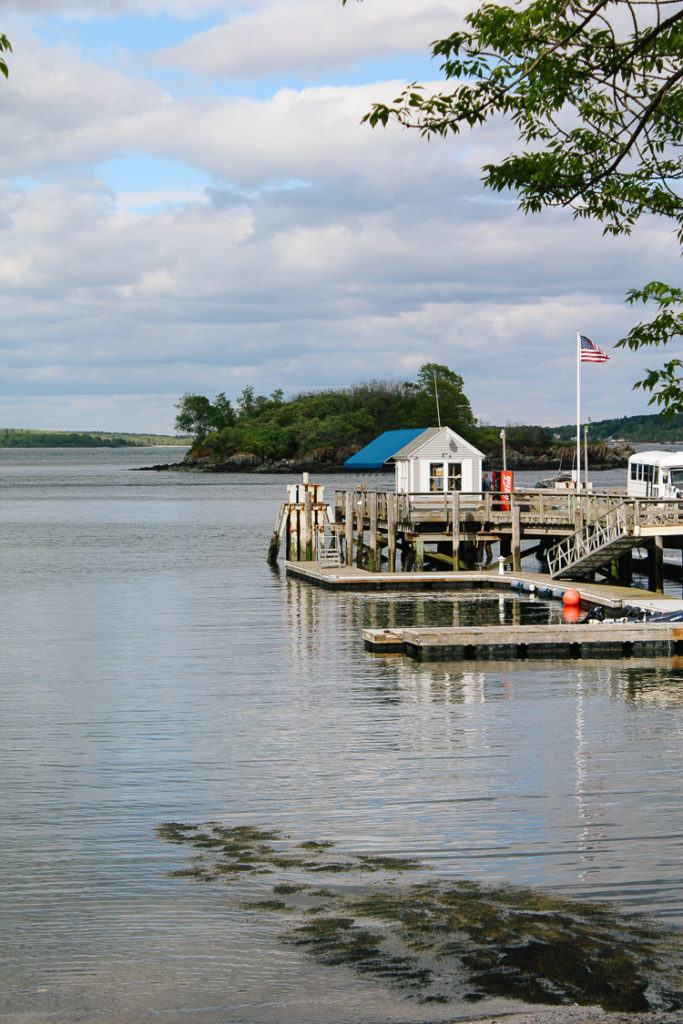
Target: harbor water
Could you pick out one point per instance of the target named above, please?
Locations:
(154, 669)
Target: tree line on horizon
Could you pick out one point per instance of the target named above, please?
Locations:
(646, 428)
(11, 437)
(16, 437)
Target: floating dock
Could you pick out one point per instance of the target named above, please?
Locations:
(349, 577)
(564, 640)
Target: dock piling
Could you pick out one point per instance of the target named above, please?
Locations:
(391, 531)
(455, 520)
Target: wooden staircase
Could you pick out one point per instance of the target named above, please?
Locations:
(600, 541)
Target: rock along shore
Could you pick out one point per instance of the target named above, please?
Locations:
(331, 460)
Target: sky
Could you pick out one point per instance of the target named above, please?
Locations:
(189, 202)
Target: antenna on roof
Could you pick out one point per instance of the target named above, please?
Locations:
(436, 396)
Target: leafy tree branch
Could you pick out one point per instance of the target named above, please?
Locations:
(594, 91)
(5, 47)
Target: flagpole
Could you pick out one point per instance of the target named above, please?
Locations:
(578, 410)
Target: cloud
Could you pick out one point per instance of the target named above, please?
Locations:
(91, 9)
(295, 248)
(151, 413)
(312, 37)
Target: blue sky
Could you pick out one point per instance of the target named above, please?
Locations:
(190, 203)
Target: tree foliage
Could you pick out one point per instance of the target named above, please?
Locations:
(346, 418)
(594, 91)
(5, 47)
(198, 416)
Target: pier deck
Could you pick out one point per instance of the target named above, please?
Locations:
(574, 533)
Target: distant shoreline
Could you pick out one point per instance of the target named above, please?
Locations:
(11, 437)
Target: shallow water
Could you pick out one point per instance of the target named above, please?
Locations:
(154, 668)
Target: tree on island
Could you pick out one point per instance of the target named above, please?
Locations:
(346, 418)
(594, 89)
(439, 388)
(199, 416)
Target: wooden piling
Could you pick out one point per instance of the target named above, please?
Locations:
(307, 528)
(374, 561)
(625, 569)
(278, 532)
(391, 531)
(516, 537)
(455, 519)
(348, 526)
(293, 535)
(360, 524)
(656, 565)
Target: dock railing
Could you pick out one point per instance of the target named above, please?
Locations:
(562, 508)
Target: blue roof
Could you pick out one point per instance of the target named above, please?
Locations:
(375, 454)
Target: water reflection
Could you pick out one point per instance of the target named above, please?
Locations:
(154, 668)
(581, 792)
(311, 609)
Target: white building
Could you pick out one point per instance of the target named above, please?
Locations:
(438, 460)
(432, 460)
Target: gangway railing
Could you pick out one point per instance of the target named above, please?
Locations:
(595, 543)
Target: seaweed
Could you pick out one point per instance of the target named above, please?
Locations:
(436, 940)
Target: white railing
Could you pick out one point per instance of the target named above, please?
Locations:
(597, 535)
(327, 551)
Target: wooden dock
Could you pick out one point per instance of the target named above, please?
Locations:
(564, 640)
(570, 640)
(349, 577)
(574, 534)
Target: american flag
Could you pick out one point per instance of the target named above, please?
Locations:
(590, 353)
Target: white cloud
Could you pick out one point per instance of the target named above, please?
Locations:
(145, 413)
(312, 37)
(321, 253)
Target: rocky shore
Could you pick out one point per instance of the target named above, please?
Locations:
(331, 460)
(573, 1015)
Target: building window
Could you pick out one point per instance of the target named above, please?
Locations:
(436, 476)
(455, 476)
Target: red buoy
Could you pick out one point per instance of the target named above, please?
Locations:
(570, 598)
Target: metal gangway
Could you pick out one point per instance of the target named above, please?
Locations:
(600, 541)
(624, 526)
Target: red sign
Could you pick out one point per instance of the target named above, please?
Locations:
(506, 486)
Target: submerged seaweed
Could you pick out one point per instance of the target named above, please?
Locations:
(438, 940)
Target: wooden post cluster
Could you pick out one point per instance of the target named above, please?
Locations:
(302, 520)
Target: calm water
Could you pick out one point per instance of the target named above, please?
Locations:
(153, 667)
